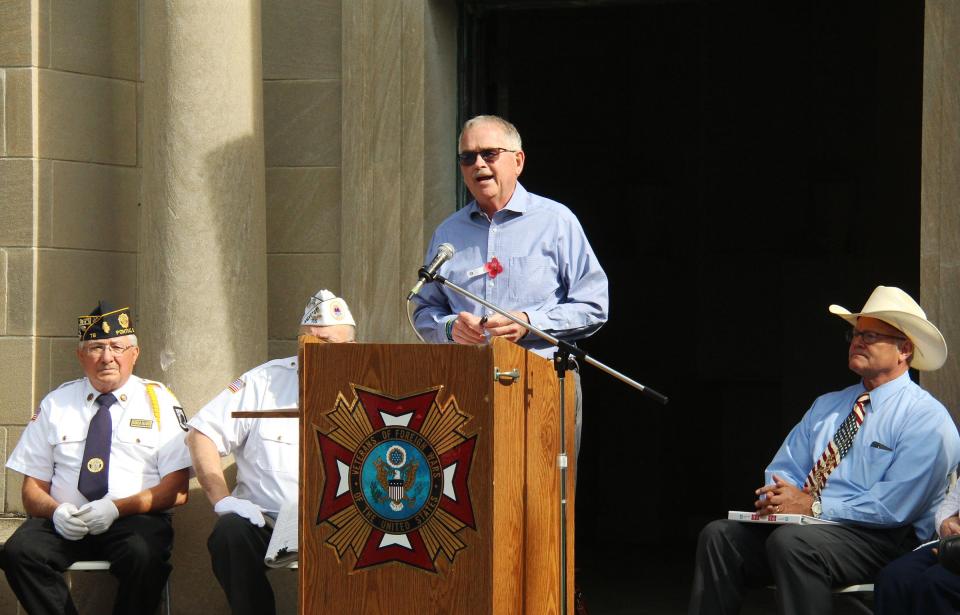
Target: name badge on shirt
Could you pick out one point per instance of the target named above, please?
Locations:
(481, 270)
(142, 423)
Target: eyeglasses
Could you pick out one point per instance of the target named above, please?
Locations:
(97, 350)
(489, 155)
(871, 337)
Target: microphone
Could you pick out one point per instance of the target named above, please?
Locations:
(444, 253)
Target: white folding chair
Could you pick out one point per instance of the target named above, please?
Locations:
(104, 566)
(855, 595)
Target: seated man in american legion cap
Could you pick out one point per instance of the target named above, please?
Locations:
(267, 456)
(873, 458)
(104, 461)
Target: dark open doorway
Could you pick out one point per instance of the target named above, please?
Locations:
(737, 166)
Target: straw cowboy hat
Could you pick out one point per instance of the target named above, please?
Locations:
(898, 309)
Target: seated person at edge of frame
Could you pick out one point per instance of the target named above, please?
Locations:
(875, 458)
(916, 583)
(104, 461)
(267, 455)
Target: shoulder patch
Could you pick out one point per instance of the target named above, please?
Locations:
(36, 414)
(236, 385)
(181, 417)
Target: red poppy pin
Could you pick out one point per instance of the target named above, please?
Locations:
(494, 268)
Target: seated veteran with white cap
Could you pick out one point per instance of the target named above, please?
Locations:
(104, 461)
(874, 458)
(267, 456)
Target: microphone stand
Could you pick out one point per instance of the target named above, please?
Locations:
(562, 363)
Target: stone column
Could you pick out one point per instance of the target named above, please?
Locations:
(202, 267)
(399, 143)
(202, 257)
(940, 191)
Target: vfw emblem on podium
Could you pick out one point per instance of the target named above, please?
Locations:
(396, 478)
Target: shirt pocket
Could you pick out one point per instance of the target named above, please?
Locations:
(138, 437)
(532, 279)
(68, 439)
(280, 445)
(873, 465)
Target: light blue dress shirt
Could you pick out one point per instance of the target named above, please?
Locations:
(873, 486)
(549, 271)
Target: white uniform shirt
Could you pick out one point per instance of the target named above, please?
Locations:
(266, 450)
(141, 452)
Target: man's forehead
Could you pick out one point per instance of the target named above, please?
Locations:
(121, 340)
(866, 323)
(334, 333)
(489, 135)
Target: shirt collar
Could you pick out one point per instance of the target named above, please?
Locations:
(518, 203)
(887, 390)
(123, 394)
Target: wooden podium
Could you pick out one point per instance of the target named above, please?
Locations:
(428, 485)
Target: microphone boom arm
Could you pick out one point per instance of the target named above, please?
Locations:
(562, 345)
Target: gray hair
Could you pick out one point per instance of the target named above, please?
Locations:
(132, 338)
(509, 130)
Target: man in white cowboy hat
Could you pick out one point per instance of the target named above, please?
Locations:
(874, 459)
(267, 457)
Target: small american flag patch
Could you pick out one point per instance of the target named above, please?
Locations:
(236, 385)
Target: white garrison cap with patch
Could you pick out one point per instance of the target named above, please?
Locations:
(325, 309)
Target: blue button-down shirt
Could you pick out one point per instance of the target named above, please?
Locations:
(896, 471)
(549, 271)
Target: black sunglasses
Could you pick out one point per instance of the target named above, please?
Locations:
(489, 155)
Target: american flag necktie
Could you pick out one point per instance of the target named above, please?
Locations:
(838, 447)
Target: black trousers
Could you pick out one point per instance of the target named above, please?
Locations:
(917, 584)
(137, 547)
(237, 548)
(805, 562)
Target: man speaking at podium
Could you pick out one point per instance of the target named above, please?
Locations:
(522, 252)
(267, 455)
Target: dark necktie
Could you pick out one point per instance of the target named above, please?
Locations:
(95, 471)
(838, 447)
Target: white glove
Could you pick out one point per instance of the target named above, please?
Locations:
(98, 515)
(66, 524)
(244, 508)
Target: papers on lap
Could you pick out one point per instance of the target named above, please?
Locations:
(752, 517)
(282, 550)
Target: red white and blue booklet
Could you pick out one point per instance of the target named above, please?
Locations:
(754, 517)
